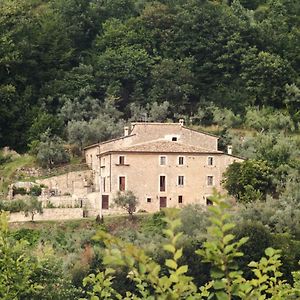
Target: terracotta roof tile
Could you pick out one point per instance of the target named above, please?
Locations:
(165, 146)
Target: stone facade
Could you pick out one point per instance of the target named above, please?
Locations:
(165, 165)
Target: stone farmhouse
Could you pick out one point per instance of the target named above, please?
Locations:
(163, 164)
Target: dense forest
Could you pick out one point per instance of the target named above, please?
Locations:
(74, 71)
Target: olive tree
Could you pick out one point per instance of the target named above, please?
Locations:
(127, 201)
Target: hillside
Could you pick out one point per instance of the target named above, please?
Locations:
(75, 71)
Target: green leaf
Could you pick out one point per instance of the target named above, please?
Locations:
(228, 227)
(182, 270)
(216, 273)
(270, 252)
(174, 277)
(178, 254)
(228, 238)
(221, 295)
(219, 284)
(169, 248)
(171, 264)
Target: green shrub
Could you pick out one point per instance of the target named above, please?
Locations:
(32, 236)
(170, 280)
(5, 159)
(19, 191)
(12, 205)
(35, 190)
(154, 224)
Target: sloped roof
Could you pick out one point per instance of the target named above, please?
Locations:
(136, 124)
(163, 146)
(108, 141)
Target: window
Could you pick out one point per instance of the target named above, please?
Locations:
(180, 160)
(121, 160)
(181, 180)
(162, 183)
(104, 184)
(174, 139)
(180, 198)
(210, 180)
(208, 201)
(122, 183)
(162, 160)
(148, 200)
(210, 161)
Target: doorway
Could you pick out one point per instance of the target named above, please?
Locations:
(105, 203)
(162, 202)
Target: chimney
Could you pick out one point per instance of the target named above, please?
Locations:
(126, 130)
(181, 122)
(229, 149)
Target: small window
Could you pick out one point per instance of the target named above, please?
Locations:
(162, 183)
(121, 160)
(210, 180)
(208, 201)
(162, 160)
(181, 180)
(148, 200)
(174, 139)
(210, 161)
(104, 184)
(180, 198)
(180, 160)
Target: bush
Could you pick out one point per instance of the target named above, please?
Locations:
(155, 223)
(19, 191)
(35, 190)
(249, 180)
(12, 205)
(4, 159)
(170, 280)
(32, 236)
(50, 151)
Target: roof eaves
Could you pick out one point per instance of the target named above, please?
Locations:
(155, 152)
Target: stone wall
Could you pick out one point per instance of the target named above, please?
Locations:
(54, 214)
(74, 183)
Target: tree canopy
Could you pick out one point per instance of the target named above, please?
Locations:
(61, 60)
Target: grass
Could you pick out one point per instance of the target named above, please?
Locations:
(8, 170)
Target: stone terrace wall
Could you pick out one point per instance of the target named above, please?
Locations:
(70, 183)
(54, 214)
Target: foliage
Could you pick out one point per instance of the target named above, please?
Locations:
(35, 190)
(4, 158)
(155, 224)
(16, 267)
(127, 201)
(268, 119)
(33, 206)
(19, 191)
(50, 152)
(12, 205)
(220, 249)
(59, 62)
(249, 180)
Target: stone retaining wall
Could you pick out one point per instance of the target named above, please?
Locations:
(55, 214)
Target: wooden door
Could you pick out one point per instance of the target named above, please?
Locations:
(162, 202)
(105, 202)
